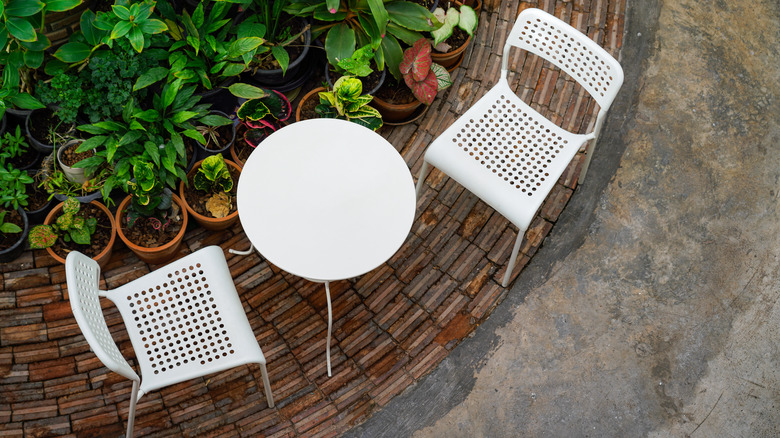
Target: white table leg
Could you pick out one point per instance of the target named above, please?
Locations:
(243, 253)
(330, 324)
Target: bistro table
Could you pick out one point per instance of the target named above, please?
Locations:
(326, 199)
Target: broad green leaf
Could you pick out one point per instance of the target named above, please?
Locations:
(198, 16)
(246, 91)
(41, 43)
(61, 5)
(233, 69)
(129, 137)
(91, 33)
(25, 101)
(120, 29)
(380, 15)
(154, 26)
(110, 125)
(407, 36)
(3, 32)
(195, 135)
(22, 8)
(410, 16)
(243, 45)
(73, 52)
(468, 19)
(282, 57)
(122, 12)
(136, 38)
(340, 43)
(215, 120)
(183, 116)
(91, 143)
(20, 29)
(153, 151)
(149, 115)
(33, 59)
(150, 77)
(443, 78)
(169, 92)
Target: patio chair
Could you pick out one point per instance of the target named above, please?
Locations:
(185, 320)
(504, 151)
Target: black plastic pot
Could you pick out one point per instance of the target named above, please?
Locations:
(83, 199)
(220, 98)
(201, 152)
(332, 81)
(36, 143)
(279, 81)
(3, 124)
(10, 254)
(37, 216)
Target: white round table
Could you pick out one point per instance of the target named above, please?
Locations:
(326, 199)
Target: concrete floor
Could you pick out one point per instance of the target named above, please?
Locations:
(652, 309)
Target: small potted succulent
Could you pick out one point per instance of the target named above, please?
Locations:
(346, 102)
(210, 192)
(261, 114)
(151, 220)
(73, 226)
(452, 38)
(423, 78)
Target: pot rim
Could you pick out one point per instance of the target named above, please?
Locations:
(197, 215)
(180, 235)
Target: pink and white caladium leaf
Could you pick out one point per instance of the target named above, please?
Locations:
(443, 78)
(425, 90)
(417, 61)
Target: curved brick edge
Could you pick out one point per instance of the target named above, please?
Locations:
(392, 326)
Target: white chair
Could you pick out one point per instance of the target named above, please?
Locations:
(185, 320)
(504, 151)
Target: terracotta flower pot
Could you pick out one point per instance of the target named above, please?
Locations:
(475, 4)
(310, 95)
(395, 113)
(160, 254)
(209, 223)
(104, 256)
(452, 59)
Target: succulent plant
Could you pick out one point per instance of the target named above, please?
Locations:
(423, 76)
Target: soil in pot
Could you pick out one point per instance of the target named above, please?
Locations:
(307, 105)
(8, 240)
(197, 199)
(41, 123)
(241, 149)
(145, 232)
(294, 49)
(458, 38)
(99, 239)
(395, 92)
(223, 134)
(70, 157)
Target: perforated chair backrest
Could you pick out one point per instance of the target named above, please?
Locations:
(83, 278)
(572, 51)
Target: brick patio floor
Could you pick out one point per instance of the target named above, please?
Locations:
(392, 326)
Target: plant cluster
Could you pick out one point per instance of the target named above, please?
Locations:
(213, 177)
(13, 182)
(346, 102)
(270, 23)
(13, 145)
(69, 226)
(465, 18)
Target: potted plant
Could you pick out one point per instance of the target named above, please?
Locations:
(381, 25)
(346, 102)
(151, 220)
(452, 38)
(261, 114)
(422, 78)
(282, 61)
(358, 65)
(73, 226)
(13, 220)
(218, 131)
(53, 180)
(15, 150)
(210, 192)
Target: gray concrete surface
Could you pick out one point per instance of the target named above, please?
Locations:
(652, 309)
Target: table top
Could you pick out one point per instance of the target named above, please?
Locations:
(326, 199)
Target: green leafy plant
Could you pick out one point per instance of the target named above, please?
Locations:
(205, 51)
(128, 19)
(214, 177)
(53, 181)
(356, 23)
(13, 145)
(270, 24)
(69, 226)
(23, 47)
(13, 191)
(346, 102)
(423, 76)
(465, 18)
(359, 63)
(8, 227)
(100, 89)
(149, 197)
(262, 113)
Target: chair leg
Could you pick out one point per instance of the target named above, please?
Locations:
(588, 156)
(330, 325)
(421, 178)
(511, 265)
(131, 410)
(267, 385)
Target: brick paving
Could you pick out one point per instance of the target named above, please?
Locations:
(392, 326)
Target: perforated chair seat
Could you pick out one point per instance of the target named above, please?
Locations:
(185, 320)
(504, 151)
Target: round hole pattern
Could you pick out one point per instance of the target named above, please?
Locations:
(566, 51)
(179, 321)
(86, 284)
(512, 144)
